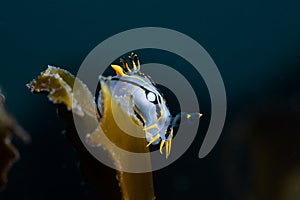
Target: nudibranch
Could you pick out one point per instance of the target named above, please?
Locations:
(147, 102)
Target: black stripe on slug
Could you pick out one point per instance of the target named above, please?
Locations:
(138, 115)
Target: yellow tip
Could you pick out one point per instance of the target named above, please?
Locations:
(126, 64)
(153, 140)
(167, 149)
(161, 146)
(134, 65)
(139, 64)
(118, 69)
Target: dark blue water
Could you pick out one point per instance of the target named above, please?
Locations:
(255, 45)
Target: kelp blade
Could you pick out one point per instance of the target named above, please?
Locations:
(59, 84)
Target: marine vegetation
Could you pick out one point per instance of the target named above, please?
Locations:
(9, 128)
(58, 84)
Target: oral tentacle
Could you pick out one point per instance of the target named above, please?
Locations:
(153, 140)
(161, 146)
(167, 149)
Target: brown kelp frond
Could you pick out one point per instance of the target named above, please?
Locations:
(59, 84)
(133, 185)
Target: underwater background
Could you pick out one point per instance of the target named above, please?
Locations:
(256, 46)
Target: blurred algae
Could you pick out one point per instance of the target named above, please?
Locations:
(9, 128)
(58, 83)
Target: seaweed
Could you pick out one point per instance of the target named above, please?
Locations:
(112, 184)
(9, 128)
